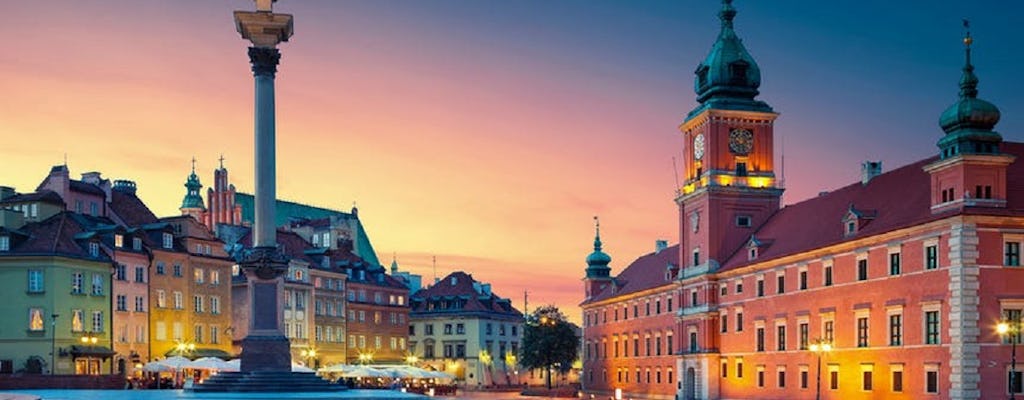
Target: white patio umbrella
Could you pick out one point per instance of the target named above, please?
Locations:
(210, 363)
(233, 365)
(301, 368)
(156, 366)
(176, 362)
(365, 372)
(336, 368)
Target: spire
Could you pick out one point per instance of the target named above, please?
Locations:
(394, 263)
(968, 123)
(192, 200)
(597, 262)
(221, 159)
(729, 77)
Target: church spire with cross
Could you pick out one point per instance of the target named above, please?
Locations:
(192, 204)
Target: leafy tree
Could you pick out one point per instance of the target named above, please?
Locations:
(549, 341)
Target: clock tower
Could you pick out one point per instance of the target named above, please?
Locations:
(730, 186)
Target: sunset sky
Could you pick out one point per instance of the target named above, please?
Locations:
(485, 132)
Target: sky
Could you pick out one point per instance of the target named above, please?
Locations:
(486, 133)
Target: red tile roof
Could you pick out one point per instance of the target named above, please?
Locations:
(54, 236)
(130, 209)
(45, 196)
(461, 285)
(644, 273)
(898, 199)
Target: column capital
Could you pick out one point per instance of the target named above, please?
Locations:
(264, 60)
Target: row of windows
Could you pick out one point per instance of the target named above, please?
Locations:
(832, 377)
(460, 329)
(77, 282)
(378, 297)
(198, 302)
(140, 333)
(119, 242)
(931, 333)
(37, 319)
(121, 273)
(651, 346)
(591, 318)
(121, 303)
(647, 376)
(161, 269)
(198, 333)
(359, 341)
(329, 308)
(395, 318)
(329, 334)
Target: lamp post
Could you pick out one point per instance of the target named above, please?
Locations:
(818, 347)
(365, 358)
(1011, 327)
(53, 344)
(309, 355)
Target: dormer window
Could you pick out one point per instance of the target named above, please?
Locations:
(851, 227)
(168, 240)
(136, 244)
(94, 249)
(119, 240)
(752, 253)
(5, 243)
(854, 219)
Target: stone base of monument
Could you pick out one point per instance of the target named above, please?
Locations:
(266, 381)
(266, 367)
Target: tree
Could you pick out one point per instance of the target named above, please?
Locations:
(549, 341)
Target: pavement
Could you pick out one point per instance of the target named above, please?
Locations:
(12, 396)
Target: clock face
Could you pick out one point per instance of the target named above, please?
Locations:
(741, 141)
(698, 147)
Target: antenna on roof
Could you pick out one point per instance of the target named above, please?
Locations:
(434, 258)
(675, 171)
(526, 304)
(65, 159)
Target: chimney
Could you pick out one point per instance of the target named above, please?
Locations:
(869, 170)
(659, 245)
(6, 191)
(125, 186)
(93, 178)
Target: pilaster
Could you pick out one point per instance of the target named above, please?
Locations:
(963, 312)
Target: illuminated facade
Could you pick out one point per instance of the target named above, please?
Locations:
(904, 274)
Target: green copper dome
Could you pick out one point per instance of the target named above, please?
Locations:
(729, 77)
(597, 262)
(968, 123)
(192, 198)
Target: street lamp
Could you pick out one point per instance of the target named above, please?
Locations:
(365, 358)
(53, 344)
(310, 355)
(1011, 327)
(818, 347)
(411, 359)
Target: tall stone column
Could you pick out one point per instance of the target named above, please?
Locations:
(265, 348)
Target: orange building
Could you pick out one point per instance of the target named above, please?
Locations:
(902, 277)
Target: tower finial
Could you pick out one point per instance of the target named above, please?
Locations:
(969, 81)
(597, 234)
(193, 164)
(726, 15)
(221, 159)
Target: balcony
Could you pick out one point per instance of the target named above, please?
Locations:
(703, 308)
(703, 269)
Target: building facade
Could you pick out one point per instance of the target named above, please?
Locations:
(904, 275)
(460, 326)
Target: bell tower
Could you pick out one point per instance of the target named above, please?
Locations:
(971, 169)
(730, 186)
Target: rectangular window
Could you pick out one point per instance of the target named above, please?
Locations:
(1012, 256)
(77, 283)
(803, 378)
(894, 264)
(160, 268)
(804, 335)
(214, 304)
(122, 302)
(1013, 381)
(781, 283)
(214, 335)
(760, 287)
(140, 304)
(782, 378)
(35, 320)
(833, 377)
(931, 379)
(197, 333)
(198, 275)
(866, 377)
(897, 381)
(931, 257)
(693, 301)
(829, 329)
(140, 274)
(862, 269)
(725, 368)
(931, 327)
(35, 281)
(168, 240)
(895, 329)
(739, 322)
(179, 301)
(136, 244)
(161, 299)
(197, 301)
(97, 285)
(121, 272)
(739, 368)
(5, 243)
(724, 323)
(828, 276)
(119, 240)
(77, 320)
(177, 270)
(760, 339)
(739, 287)
(862, 332)
(781, 337)
(803, 280)
(760, 376)
(97, 321)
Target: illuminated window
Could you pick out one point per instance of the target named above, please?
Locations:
(35, 319)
